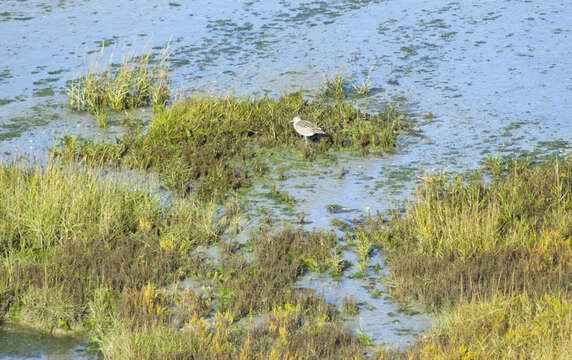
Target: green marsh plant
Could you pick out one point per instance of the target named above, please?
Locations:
(493, 256)
(364, 249)
(136, 82)
(334, 88)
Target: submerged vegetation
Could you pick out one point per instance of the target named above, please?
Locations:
(210, 145)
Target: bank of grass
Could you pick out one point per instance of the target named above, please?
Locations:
(462, 240)
(305, 329)
(65, 232)
(212, 145)
(493, 257)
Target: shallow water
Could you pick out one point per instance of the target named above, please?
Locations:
(19, 343)
(379, 318)
(496, 76)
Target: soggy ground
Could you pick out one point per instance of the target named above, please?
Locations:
(496, 77)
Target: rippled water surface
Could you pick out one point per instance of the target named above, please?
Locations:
(496, 76)
(19, 343)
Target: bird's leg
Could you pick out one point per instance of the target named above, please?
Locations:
(305, 141)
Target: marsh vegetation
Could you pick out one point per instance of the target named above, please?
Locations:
(137, 81)
(212, 145)
(494, 257)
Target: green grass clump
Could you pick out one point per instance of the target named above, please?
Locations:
(65, 233)
(136, 83)
(493, 257)
(469, 239)
(516, 327)
(334, 88)
(211, 145)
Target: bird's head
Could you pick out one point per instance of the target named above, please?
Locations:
(295, 119)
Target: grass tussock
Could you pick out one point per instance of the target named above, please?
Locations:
(65, 233)
(516, 327)
(136, 82)
(212, 145)
(465, 240)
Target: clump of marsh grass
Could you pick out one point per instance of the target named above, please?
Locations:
(465, 239)
(363, 88)
(280, 196)
(213, 145)
(137, 82)
(502, 328)
(334, 87)
(364, 248)
(350, 306)
(337, 263)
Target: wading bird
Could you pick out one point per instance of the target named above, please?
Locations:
(306, 128)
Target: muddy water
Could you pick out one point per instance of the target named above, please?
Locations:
(378, 316)
(20, 343)
(495, 75)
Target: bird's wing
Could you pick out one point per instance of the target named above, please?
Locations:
(312, 126)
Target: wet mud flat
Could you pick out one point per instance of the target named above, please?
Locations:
(492, 80)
